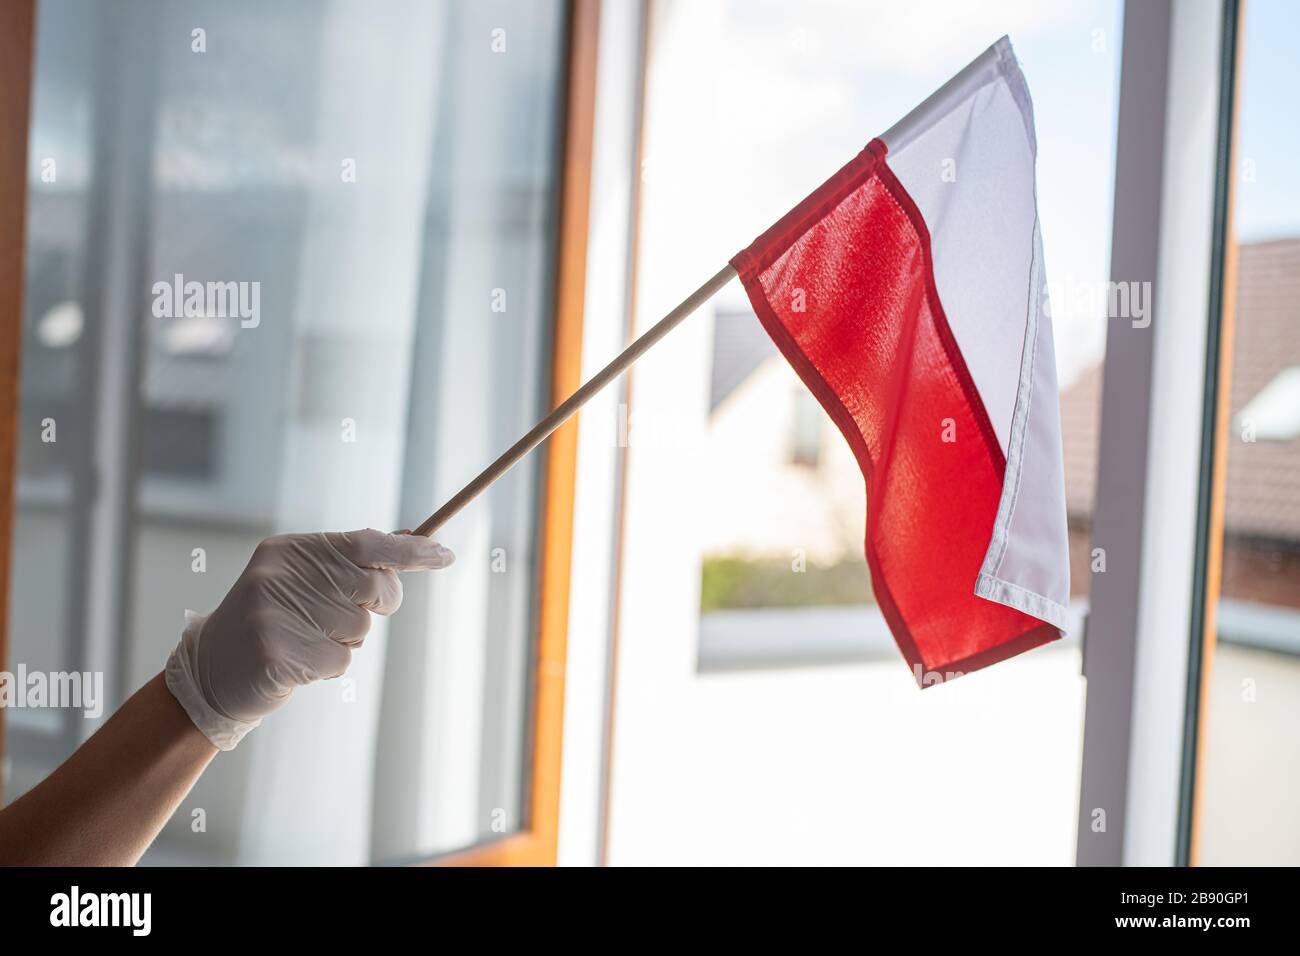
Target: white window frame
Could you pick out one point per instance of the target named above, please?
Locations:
(1140, 655)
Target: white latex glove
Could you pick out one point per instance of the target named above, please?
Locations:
(293, 617)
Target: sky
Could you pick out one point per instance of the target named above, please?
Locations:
(805, 86)
(1268, 144)
(802, 87)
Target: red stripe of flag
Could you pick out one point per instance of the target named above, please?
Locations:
(844, 285)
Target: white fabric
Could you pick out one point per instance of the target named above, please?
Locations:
(967, 157)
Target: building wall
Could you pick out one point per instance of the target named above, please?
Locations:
(758, 501)
(1262, 573)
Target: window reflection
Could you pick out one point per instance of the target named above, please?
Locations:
(349, 187)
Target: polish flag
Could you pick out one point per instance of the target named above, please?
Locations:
(908, 293)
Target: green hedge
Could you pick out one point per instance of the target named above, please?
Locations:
(732, 581)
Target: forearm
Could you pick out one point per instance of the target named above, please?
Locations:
(107, 802)
(295, 615)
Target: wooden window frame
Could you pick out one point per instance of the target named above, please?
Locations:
(536, 845)
(1215, 424)
(17, 58)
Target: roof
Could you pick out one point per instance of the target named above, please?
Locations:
(740, 345)
(1264, 476)
(1263, 490)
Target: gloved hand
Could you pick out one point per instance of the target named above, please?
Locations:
(293, 617)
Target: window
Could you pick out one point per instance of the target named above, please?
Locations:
(1274, 413)
(784, 679)
(1248, 777)
(290, 267)
(806, 430)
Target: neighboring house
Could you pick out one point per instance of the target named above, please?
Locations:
(1262, 498)
(782, 478)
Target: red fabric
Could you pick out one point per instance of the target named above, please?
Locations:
(874, 346)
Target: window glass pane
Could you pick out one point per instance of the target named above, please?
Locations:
(798, 678)
(363, 197)
(1249, 776)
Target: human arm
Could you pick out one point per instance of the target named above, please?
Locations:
(294, 616)
(104, 805)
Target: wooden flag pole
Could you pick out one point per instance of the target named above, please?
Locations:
(539, 432)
